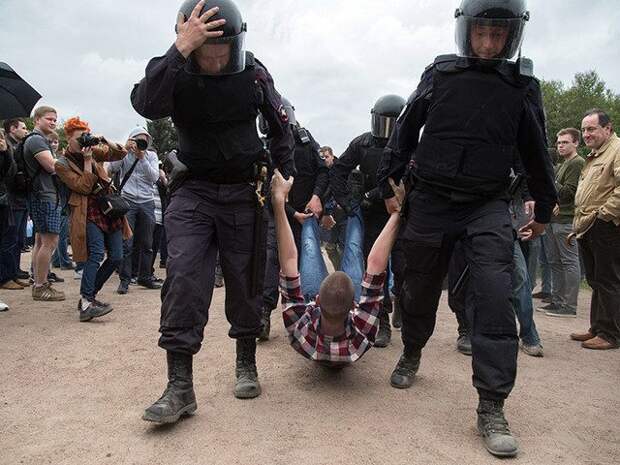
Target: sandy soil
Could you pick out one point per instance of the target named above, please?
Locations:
(73, 393)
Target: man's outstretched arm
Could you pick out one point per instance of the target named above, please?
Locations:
(287, 251)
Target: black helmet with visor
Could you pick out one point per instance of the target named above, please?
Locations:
(229, 48)
(384, 115)
(500, 21)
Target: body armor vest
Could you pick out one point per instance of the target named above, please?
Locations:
(469, 140)
(371, 153)
(304, 157)
(215, 118)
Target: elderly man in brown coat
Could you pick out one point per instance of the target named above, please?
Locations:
(92, 232)
(597, 226)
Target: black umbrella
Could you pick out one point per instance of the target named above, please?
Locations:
(17, 97)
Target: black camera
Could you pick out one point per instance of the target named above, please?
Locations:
(88, 140)
(141, 144)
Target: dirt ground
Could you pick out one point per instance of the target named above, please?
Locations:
(73, 393)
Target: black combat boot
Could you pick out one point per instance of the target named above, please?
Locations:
(178, 399)
(463, 342)
(266, 320)
(247, 386)
(397, 320)
(493, 427)
(384, 335)
(405, 370)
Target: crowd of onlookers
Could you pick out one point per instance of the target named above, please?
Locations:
(60, 189)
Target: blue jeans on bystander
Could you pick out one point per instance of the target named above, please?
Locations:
(95, 273)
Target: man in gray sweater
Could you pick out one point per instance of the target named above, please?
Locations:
(563, 255)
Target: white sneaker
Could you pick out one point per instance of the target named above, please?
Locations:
(3, 307)
(77, 274)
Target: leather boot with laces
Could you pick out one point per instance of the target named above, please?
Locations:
(178, 399)
(247, 386)
(493, 427)
(266, 320)
(384, 335)
(463, 343)
(397, 320)
(405, 370)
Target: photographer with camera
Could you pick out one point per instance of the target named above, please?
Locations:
(92, 231)
(139, 172)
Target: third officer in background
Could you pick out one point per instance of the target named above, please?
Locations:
(305, 199)
(366, 151)
(479, 111)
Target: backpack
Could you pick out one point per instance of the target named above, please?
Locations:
(23, 180)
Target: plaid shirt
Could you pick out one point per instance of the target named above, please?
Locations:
(302, 323)
(95, 215)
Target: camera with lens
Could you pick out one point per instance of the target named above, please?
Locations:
(141, 144)
(88, 140)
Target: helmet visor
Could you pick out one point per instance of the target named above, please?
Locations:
(221, 56)
(382, 126)
(489, 38)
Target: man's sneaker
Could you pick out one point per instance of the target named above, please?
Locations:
(157, 280)
(162, 264)
(582, 337)
(11, 286)
(247, 385)
(493, 427)
(4, 307)
(47, 293)
(598, 343)
(102, 304)
(133, 281)
(532, 350)
(547, 308)
(561, 312)
(54, 278)
(21, 274)
(123, 288)
(463, 344)
(90, 309)
(541, 295)
(68, 267)
(77, 274)
(266, 320)
(149, 283)
(23, 284)
(405, 370)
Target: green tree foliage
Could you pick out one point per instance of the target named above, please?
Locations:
(164, 135)
(565, 106)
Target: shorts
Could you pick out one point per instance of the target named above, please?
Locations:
(46, 216)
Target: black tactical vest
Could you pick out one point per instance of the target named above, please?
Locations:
(372, 151)
(215, 118)
(469, 142)
(305, 158)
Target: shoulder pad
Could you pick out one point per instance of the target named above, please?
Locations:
(362, 140)
(250, 61)
(449, 64)
(525, 67)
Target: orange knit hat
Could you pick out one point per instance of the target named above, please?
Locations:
(75, 124)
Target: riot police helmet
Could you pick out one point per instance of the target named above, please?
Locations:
(490, 29)
(384, 115)
(219, 55)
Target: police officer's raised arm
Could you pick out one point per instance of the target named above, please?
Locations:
(152, 97)
(532, 144)
(404, 139)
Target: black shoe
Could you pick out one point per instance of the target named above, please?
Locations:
(157, 280)
(266, 320)
(149, 283)
(247, 386)
(102, 304)
(21, 274)
(92, 311)
(219, 281)
(493, 427)
(123, 288)
(54, 278)
(133, 281)
(541, 295)
(384, 335)
(70, 266)
(549, 307)
(178, 399)
(405, 370)
(463, 344)
(162, 264)
(397, 321)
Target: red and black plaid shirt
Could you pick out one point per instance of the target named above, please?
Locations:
(302, 323)
(95, 215)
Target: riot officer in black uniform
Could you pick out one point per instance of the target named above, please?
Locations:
(305, 199)
(366, 151)
(479, 111)
(213, 90)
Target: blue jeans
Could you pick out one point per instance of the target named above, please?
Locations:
(141, 218)
(522, 299)
(95, 275)
(312, 266)
(61, 256)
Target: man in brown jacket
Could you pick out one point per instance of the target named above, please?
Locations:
(597, 226)
(92, 232)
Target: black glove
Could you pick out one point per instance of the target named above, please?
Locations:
(177, 172)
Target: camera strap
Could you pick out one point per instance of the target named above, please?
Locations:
(128, 175)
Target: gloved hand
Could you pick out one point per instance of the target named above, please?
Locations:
(177, 171)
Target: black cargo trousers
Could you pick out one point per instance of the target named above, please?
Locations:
(434, 224)
(202, 219)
